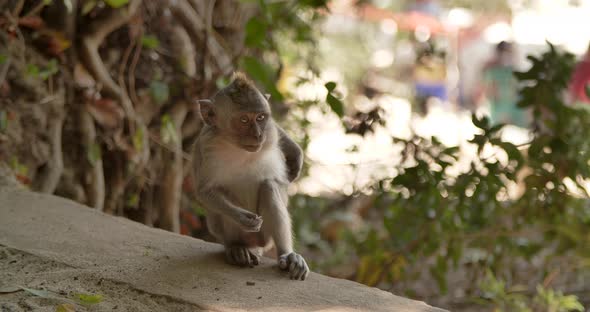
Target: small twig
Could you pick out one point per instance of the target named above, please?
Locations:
(36, 9)
(14, 23)
(132, 67)
(550, 277)
(18, 8)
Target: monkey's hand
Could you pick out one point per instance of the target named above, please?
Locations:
(295, 264)
(249, 222)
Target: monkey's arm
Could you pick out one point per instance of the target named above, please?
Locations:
(215, 200)
(272, 203)
(293, 155)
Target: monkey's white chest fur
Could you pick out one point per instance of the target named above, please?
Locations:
(241, 172)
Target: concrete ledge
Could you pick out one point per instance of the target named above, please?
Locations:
(56, 244)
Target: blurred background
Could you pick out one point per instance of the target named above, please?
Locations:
(446, 144)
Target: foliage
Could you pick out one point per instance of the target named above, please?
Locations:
(504, 298)
(456, 214)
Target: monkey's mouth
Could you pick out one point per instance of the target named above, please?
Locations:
(251, 147)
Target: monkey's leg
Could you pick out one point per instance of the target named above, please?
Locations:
(236, 246)
(215, 200)
(272, 204)
(215, 225)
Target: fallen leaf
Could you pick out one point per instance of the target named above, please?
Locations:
(89, 298)
(54, 41)
(6, 289)
(106, 112)
(39, 292)
(66, 307)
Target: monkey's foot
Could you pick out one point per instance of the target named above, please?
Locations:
(242, 256)
(250, 222)
(295, 264)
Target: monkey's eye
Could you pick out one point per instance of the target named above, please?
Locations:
(244, 119)
(261, 117)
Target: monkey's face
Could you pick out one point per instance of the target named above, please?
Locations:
(249, 129)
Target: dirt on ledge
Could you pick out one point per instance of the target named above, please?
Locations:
(51, 243)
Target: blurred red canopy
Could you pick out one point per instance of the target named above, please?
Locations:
(408, 21)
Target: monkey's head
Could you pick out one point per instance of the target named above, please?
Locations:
(239, 113)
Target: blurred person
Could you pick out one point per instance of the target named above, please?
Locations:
(500, 87)
(429, 75)
(580, 79)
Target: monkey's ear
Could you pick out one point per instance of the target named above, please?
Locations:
(267, 96)
(207, 112)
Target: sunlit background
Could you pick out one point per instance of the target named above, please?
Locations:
(373, 44)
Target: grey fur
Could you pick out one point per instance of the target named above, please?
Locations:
(241, 188)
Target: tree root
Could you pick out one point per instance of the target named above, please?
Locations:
(170, 190)
(99, 30)
(94, 181)
(50, 175)
(184, 50)
(196, 27)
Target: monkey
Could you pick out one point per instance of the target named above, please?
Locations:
(243, 164)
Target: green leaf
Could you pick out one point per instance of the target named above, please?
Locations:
(512, 152)
(133, 200)
(3, 121)
(93, 154)
(335, 104)
(482, 123)
(168, 130)
(138, 139)
(89, 299)
(496, 128)
(314, 3)
(115, 4)
(255, 32)
(3, 59)
(587, 89)
(50, 70)
(198, 210)
(17, 167)
(32, 70)
(159, 92)
(263, 73)
(330, 86)
(39, 293)
(88, 6)
(66, 307)
(150, 42)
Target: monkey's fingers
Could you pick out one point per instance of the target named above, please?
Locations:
(283, 262)
(299, 268)
(243, 256)
(254, 259)
(251, 222)
(292, 258)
